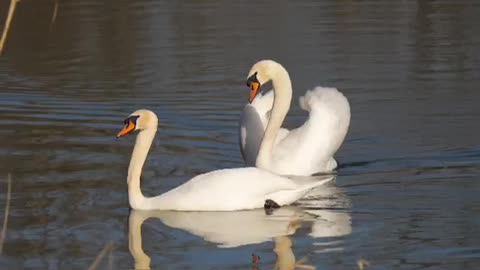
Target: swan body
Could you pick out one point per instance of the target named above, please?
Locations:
(221, 190)
(306, 150)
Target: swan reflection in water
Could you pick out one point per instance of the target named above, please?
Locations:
(234, 229)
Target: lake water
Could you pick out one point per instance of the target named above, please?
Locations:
(406, 195)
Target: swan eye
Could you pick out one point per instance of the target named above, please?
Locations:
(252, 78)
(130, 125)
(254, 86)
(132, 119)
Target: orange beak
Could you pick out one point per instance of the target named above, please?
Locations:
(254, 86)
(126, 129)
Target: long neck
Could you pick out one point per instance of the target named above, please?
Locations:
(282, 87)
(140, 151)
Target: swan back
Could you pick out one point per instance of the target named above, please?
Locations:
(233, 189)
(329, 116)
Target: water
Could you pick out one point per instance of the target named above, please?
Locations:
(406, 195)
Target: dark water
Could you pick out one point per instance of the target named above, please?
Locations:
(406, 196)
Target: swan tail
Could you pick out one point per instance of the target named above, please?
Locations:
(311, 186)
(327, 125)
(304, 186)
(319, 182)
(329, 113)
(324, 97)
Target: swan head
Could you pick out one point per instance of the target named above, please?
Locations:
(139, 120)
(261, 72)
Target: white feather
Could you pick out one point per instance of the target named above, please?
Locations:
(221, 190)
(306, 150)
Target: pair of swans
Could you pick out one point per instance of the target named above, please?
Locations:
(244, 188)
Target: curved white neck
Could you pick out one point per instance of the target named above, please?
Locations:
(282, 88)
(139, 155)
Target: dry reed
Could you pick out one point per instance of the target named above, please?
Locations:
(54, 15)
(11, 12)
(100, 256)
(3, 234)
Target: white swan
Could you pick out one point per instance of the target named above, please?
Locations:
(306, 150)
(221, 190)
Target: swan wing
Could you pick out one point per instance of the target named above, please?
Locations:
(233, 189)
(253, 122)
(310, 148)
(250, 134)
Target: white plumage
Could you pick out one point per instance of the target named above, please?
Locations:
(306, 150)
(221, 190)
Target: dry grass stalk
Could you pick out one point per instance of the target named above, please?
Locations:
(7, 210)
(54, 15)
(110, 258)
(100, 256)
(11, 11)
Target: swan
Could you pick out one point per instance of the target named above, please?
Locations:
(220, 190)
(306, 150)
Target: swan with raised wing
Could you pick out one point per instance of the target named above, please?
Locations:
(306, 150)
(220, 190)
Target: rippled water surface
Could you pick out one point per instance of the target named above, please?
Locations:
(407, 192)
